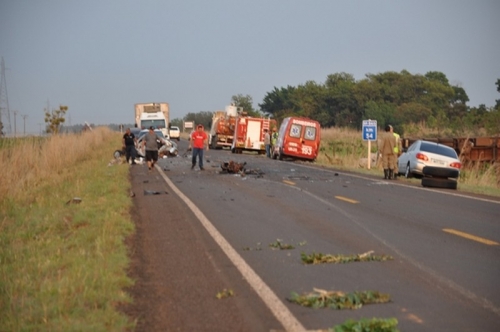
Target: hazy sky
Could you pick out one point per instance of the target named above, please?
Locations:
(100, 57)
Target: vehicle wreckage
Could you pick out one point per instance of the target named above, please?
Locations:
(232, 167)
(166, 148)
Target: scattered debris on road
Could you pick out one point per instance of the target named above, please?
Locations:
(281, 246)
(224, 293)
(233, 167)
(153, 192)
(319, 258)
(258, 248)
(320, 298)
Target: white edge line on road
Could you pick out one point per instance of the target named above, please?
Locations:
(280, 311)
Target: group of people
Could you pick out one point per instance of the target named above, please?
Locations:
(390, 149)
(149, 143)
(270, 141)
(198, 142)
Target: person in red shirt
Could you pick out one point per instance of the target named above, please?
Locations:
(198, 142)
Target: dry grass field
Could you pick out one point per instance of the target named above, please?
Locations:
(345, 149)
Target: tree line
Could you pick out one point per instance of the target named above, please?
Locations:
(402, 99)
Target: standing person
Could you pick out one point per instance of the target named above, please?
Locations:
(267, 143)
(388, 143)
(151, 146)
(198, 142)
(129, 141)
(274, 139)
(397, 151)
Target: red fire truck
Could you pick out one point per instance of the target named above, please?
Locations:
(249, 134)
(222, 129)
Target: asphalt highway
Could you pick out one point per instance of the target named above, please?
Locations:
(445, 245)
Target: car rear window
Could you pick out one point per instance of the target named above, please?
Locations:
(438, 149)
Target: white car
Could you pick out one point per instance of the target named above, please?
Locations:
(440, 160)
(175, 133)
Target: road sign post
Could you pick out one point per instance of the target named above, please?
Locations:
(369, 133)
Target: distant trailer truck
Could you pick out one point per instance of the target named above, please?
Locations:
(152, 115)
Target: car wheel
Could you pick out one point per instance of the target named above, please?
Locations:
(408, 174)
(441, 172)
(439, 183)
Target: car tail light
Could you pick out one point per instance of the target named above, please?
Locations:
(456, 165)
(422, 156)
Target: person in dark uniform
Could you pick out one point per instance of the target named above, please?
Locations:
(129, 141)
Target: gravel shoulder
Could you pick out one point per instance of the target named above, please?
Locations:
(179, 269)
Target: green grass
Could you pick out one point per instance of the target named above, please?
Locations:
(63, 266)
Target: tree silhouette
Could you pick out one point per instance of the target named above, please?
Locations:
(55, 118)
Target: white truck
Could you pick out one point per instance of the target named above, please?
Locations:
(152, 114)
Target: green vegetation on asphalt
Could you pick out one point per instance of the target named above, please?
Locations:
(367, 325)
(319, 258)
(338, 300)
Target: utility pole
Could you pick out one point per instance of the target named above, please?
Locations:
(24, 123)
(40, 126)
(4, 99)
(15, 129)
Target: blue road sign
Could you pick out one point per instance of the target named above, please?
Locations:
(369, 130)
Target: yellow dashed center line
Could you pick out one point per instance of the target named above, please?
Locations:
(471, 237)
(347, 199)
(289, 182)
